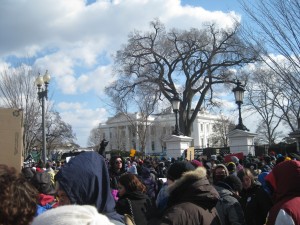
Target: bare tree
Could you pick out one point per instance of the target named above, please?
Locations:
(262, 98)
(277, 30)
(95, 137)
(144, 100)
(178, 61)
(17, 90)
(221, 128)
(58, 132)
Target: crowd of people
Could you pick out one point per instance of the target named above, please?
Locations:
(90, 189)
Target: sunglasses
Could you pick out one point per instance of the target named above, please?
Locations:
(117, 162)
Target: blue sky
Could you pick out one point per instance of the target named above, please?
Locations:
(75, 39)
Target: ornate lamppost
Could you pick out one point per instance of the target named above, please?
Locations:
(239, 96)
(42, 83)
(175, 105)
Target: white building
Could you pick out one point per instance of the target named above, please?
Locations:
(125, 132)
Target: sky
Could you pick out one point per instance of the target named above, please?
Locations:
(75, 41)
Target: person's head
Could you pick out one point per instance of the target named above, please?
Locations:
(84, 180)
(176, 170)
(42, 182)
(130, 183)
(18, 198)
(116, 163)
(72, 215)
(247, 178)
(234, 183)
(219, 173)
(231, 166)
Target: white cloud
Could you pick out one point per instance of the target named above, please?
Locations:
(75, 41)
(81, 118)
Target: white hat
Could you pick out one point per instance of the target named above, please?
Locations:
(72, 215)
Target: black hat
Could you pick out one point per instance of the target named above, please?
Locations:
(178, 168)
(234, 182)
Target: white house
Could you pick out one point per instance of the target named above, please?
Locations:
(124, 132)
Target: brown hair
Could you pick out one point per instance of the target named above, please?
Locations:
(19, 198)
(246, 172)
(132, 183)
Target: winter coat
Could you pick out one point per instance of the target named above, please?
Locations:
(256, 204)
(229, 209)
(86, 181)
(192, 201)
(285, 180)
(140, 204)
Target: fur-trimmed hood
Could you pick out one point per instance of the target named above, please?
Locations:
(193, 186)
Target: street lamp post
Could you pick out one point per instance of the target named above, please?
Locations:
(175, 105)
(42, 83)
(239, 96)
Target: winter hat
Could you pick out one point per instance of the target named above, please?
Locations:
(234, 182)
(231, 167)
(178, 168)
(213, 157)
(235, 159)
(196, 163)
(133, 169)
(72, 215)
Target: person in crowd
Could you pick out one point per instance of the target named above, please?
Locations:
(174, 172)
(72, 215)
(50, 171)
(116, 169)
(267, 165)
(192, 200)
(237, 162)
(150, 182)
(220, 173)
(196, 163)
(18, 198)
(42, 182)
(28, 173)
(84, 180)
(254, 200)
(285, 182)
(231, 166)
(133, 199)
(133, 169)
(229, 209)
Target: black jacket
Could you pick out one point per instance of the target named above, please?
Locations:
(141, 206)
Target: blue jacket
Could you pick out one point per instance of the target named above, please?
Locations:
(85, 180)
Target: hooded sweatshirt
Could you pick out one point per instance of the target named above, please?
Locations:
(85, 180)
(285, 180)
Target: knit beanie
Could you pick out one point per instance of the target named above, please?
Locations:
(234, 159)
(178, 168)
(231, 167)
(72, 215)
(196, 163)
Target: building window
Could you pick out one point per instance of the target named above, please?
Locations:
(201, 127)
(103, 135)
(207, 128)
(152, 145)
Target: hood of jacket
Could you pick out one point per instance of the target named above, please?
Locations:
(285, 180)
(194, 187)
(85, 180)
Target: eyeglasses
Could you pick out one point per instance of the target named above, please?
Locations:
(117, 162)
